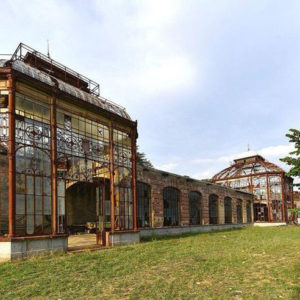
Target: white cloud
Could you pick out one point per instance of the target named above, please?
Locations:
(210, 166)
(156, 13)
(167, 167)
(160, 74)
(267, 152)
(150, 62)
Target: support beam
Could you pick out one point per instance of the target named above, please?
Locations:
(270, 216)
(53, 164)
(134, 175)
(111, 172)
(284, 219)
(11, 158)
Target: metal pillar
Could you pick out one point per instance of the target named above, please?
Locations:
(53, 164)
(11, 158)
(134, 175)
(111, 172)
(284, 219)
(270, 216)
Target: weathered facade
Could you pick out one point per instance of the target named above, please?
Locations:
(59, 138)
(273, 190)
(68, 165)
(167, 200)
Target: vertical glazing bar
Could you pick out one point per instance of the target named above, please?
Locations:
(111, 171)
(53, 164)
(270, 216)
(134, 195)
(293, 215)
(11, 158)
(282, 182)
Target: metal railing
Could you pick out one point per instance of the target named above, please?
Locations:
(94, 87)
(23, 50)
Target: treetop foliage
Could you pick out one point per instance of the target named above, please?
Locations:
(293, 160)
(142, 160)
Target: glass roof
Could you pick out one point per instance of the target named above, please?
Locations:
(252, 165)
(67, 88)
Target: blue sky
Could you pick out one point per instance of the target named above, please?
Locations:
(203, 78)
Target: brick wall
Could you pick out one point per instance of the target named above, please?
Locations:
(158, 180)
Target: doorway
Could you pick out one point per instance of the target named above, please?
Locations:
(87, 213)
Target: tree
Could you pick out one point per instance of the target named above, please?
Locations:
(142, 160)
(294, 159)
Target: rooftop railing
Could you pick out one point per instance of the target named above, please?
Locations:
(23, 50)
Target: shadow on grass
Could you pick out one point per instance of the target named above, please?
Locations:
(158, 237)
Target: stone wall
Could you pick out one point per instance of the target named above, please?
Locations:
(158, 180)
(26, 247)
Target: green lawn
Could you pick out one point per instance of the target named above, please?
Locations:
(252, 263)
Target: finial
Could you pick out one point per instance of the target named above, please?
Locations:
(48, 51)
(248, 147)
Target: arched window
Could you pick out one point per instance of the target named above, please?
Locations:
(143, 204)
(249, 213)
(171, 206)
(228, 210)
(239, 211)
(213, 209)
(195, 208)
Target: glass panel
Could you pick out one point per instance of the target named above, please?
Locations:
(30, 204)
(29, 185)
(61, 188)
(61, 206)
(38, 186)
(239, 211)
(47, 205)
(32, 163)
(228, 210)
(30, 224)
(47, 186)
(3, 204)
(195, 208)
(213, 209)
(20, 183)
(20, 204)
(171, 206)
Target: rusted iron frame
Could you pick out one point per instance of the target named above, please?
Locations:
(251, 184)
(238, 170)
(282, 181)
(53, 163)
(11, 157)
(134, 178)
(18, 55)
(292, 202)
(34, 176)
(270, 215)
(111, 173)
(132, 124)
(243, 176)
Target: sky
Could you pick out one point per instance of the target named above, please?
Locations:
(204, 79)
